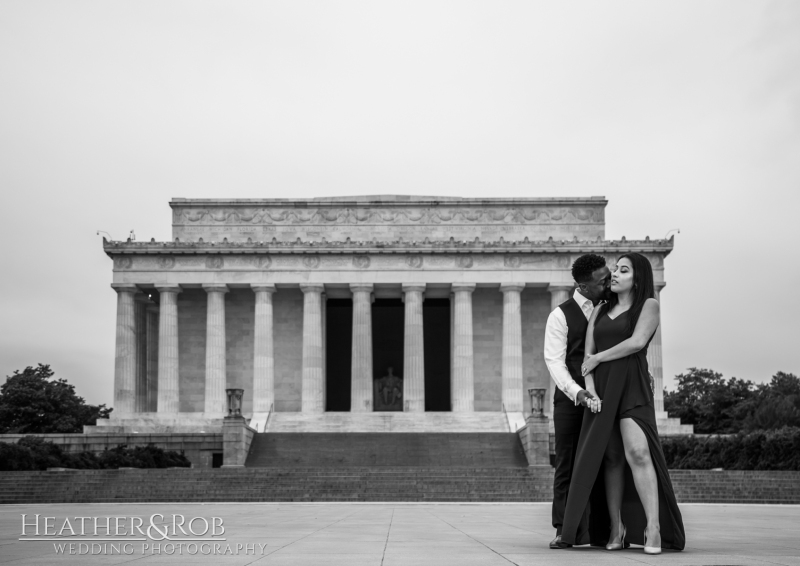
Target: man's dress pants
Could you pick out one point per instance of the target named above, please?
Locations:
(567, 419)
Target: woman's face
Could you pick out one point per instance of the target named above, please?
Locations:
(622, 278)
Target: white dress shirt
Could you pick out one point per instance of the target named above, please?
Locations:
(555, 347)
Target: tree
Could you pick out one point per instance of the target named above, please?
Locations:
(704, 399)
(776, 404)
(32, 402)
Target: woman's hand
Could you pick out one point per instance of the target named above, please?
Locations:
(593, 403)
(590, 363)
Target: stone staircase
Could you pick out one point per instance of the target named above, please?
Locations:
(361, 485)
(325, 450)
(388, 422)
(280, 484)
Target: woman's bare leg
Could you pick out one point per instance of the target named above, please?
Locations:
(637, 452)
(614, 465)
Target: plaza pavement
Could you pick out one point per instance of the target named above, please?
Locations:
(397, 534)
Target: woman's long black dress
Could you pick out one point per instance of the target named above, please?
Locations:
(624, 387)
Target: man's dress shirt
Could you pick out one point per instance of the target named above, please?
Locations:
(555, 347)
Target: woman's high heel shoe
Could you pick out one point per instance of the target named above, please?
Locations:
(650, 549)
(621, 544)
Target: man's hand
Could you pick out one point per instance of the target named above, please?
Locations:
(590, 401)
(584, 396)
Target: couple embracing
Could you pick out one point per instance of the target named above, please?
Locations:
(611, 485)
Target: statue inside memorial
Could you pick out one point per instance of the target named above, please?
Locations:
(388, 392)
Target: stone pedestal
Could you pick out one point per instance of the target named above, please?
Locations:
(313, 381)
(413, 350)
(215, 402)
(512, 348)
(168, 350)
(535, 438)
(462, 389)
(236, 439)
(361, 382)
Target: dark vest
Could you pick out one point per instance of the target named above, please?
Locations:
(576, 344)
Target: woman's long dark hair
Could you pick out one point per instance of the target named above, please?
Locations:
(643, 288)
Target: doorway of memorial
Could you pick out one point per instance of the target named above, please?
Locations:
(338, 354)
(388, 327)
(436, 340)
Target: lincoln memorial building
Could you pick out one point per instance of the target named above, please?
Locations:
(373, 313)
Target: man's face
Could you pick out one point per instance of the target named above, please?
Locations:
(597, 289)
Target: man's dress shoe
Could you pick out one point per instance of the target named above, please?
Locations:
(556, 543)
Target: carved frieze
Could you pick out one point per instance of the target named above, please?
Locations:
(410, 215)
(311, 261)
(362, 261)
(334, 261)
(464, 261)
(190, 261)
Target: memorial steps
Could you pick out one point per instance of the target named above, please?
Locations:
(362, 485)
(279, 485)
(479, 421)
(396, 422)
(475, 450)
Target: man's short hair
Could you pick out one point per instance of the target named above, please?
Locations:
(585, 265)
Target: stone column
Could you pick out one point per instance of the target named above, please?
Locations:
(125, 356)
(413, 350)
(152, 358)
(462, 388)
(313, 382)
(655, 362)
(263, 350)
(323, 302)
(512, 348)
(141, 300)
(168, 349)
(216, 399)
(452, 342)
(558, 294)
(361, 381)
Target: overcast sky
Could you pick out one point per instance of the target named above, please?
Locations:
(683, 114)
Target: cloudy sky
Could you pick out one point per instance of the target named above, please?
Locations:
(683, 114)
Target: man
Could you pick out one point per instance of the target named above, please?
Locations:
(564, 342)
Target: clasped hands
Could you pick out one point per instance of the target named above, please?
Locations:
(590, 400)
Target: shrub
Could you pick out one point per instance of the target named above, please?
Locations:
(35, 453)
(758, 450)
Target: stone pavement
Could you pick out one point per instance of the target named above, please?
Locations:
(398, 534)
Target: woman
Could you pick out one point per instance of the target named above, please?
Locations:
(621, 490)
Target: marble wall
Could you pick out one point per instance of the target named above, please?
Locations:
(487, 335)
(288, 313)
